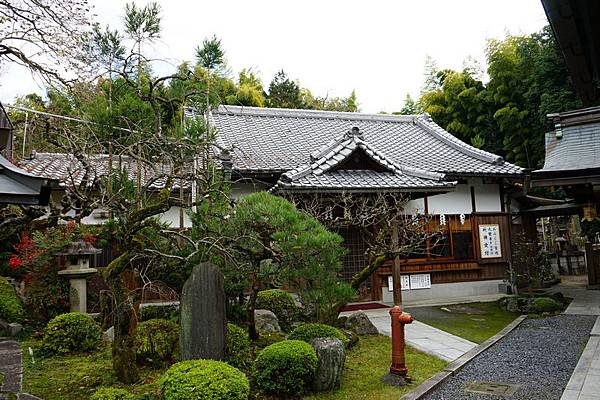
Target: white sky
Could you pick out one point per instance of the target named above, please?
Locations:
(376, 47)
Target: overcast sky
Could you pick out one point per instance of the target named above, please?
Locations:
(377, 47)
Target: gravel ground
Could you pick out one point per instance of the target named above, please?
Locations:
(539, 355)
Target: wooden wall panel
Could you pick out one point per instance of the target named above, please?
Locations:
(503, 220)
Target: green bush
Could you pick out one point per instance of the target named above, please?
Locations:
(11, 308)
(170, 312)
(237, 347)
(281, 303)
(156, 339)
(308, 332)
(71, 332)
(111, 394)
(286, 368)
(267, 338)
(545, 304)
(204, 380)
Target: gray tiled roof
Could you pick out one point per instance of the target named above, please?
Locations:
(278, 140)
(579, 148)
(20, 187)
(323, 173)
(68, 171)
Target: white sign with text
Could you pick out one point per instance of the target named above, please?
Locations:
(409, 282)
(489, 241)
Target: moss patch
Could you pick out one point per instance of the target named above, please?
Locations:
(77, 376)
(368, 361)
(476, 322)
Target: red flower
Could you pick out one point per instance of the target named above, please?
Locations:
(14, 263)
(91, 239)
(24, 244)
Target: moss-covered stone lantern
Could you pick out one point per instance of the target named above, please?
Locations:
(78, 255)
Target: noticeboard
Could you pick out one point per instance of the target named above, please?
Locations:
(489, 241)
(411, 282)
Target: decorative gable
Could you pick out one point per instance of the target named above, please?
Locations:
(350, 163)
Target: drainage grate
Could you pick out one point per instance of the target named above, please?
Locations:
(492, 388)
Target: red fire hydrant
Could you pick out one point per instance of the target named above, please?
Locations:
(399, 319)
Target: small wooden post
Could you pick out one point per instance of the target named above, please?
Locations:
(396, 278)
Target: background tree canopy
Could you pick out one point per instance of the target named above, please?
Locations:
(506, 115)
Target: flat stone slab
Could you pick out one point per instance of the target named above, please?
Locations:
(585, 302)
(585, 380)
(424, 337)
(10, 367)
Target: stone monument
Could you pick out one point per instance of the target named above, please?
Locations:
(203, 320)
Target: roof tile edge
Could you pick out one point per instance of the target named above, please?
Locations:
(301, 113)
(426, 123)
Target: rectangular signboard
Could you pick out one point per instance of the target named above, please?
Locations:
(409, 282)
(489, 241)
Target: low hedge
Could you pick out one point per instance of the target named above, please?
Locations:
(156, 339)
(281, 303)
(111, 394)
(545, 304)
(11, 309)
(204, 380)
(71, 332)
(237, 347)
(308, 332)
(285, 369)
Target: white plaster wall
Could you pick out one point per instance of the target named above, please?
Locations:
(487, 198)
(239, 189)
(442, 293)
(171, 217)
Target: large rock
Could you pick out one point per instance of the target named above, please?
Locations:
(331, 357)
(109, 335)
(14, 328)
(361, 324)
(203, 323)
(266, 321)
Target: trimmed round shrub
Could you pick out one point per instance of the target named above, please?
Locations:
(11, 308)
(286, 368)
(281, 303)
(204, 379)
(71, 332)
(308, 332)
(111, 394)
(237, 347)
(545, 304)
(267, 338)
(156, 339)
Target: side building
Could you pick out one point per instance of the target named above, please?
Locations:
(465, 191)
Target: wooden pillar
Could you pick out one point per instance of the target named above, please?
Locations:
(396, 279)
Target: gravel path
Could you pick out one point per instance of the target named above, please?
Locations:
(539, 356)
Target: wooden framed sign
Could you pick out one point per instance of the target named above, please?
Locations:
(489, 241)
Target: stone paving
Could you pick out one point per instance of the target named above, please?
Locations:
(423, 337)
(585, 380)
(10, 354)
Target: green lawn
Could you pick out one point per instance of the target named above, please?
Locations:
(370, 360)
(78, 376)
(476, 322)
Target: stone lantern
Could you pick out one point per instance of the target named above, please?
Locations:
(78, 255)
